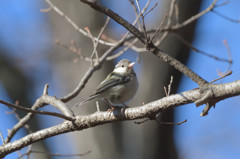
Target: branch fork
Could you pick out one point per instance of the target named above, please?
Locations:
(207, 97)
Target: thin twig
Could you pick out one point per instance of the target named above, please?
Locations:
(102, 29)
(136, 13)
(97, 105)
(228, 74)
(2, 137)
(129, 45)
(143, 23)
(169, 86)
(171, 11)
(229, 55)
(179, 37)
(176, 13)
(37, 111)
(94, 46)
(171, 123)
(26, 126)
(45, 90)
(228, 51)
(73, 24)
(159, 29)
(221, 4)
(167, 92)
(225, 17)
(73, 49)
(191, 19)
(155, 5)
(54, 154)
(140, 122)
(168, 25)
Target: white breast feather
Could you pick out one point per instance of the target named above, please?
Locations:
(120, 70)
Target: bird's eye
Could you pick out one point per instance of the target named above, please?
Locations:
(122, 65)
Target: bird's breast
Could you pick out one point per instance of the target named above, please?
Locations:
(124, 92)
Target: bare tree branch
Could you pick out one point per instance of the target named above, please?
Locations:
(172, 123)
(28, 153)
(227, 74)
(91, 70)
(149, 46)
(225, 17)
(2, 137)
(168, 25)
(200, 51)
(73, 24)
(219, 92)
(192, 19)
(36, 111)
(42, 101)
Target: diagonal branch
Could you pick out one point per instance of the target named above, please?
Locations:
(149, 46)
(44, 100)
(73, 24)
(37, 111)
(192, 19)
(91, 70)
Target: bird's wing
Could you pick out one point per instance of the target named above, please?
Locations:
(113, 79)
(87, 99)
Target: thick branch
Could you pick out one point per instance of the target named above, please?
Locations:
(220, 92)
(42, 101)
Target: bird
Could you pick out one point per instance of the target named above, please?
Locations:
(118, 87)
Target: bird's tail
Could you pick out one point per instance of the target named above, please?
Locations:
(87, 99)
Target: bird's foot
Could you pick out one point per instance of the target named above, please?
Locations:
(124, 108)
(111, 110)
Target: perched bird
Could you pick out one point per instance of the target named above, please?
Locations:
(118, 87)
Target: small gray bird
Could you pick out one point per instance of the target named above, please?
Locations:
(119, 86)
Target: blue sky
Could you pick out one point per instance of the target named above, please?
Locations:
(25, 33)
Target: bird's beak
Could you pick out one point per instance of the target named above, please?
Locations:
(131, 65)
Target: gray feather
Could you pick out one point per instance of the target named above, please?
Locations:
(88, 99)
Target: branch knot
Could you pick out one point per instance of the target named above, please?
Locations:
(207, 97)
